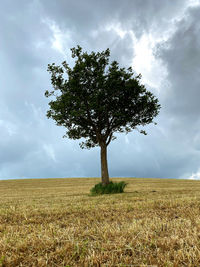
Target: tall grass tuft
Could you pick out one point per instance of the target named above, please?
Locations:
(111, 188)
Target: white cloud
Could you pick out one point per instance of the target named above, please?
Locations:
(117, 29)
(195, 176)
(60, 37)
(152, 70)
(194, 2)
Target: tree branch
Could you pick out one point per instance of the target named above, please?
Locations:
(110, 138)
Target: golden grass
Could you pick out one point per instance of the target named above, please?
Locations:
(54, 222)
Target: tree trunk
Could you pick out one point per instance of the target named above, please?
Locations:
(104, 165)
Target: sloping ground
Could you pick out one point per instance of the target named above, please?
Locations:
(54, 222)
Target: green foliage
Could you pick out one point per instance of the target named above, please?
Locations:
(2, 261)
(111, 188)
(94, 100)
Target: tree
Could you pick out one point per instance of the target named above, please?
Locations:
(94, 100)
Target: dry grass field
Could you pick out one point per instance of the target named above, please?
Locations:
(54, 222)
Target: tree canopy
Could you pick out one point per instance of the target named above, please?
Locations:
(95, 99)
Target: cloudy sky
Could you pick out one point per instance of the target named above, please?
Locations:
(159, 39)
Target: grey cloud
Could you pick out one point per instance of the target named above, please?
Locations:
(32, 146)
(181, 56)
(81, 17)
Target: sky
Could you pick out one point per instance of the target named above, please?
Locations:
(159, 39)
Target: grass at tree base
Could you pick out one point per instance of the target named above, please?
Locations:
(111, 188)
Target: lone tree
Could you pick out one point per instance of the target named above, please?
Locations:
(94, 100)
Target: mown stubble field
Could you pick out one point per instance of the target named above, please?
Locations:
(54, 222)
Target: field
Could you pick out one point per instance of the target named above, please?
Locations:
(54, 222)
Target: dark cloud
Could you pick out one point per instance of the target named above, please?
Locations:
(181, 56)
(35, 33)
(83, 17)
